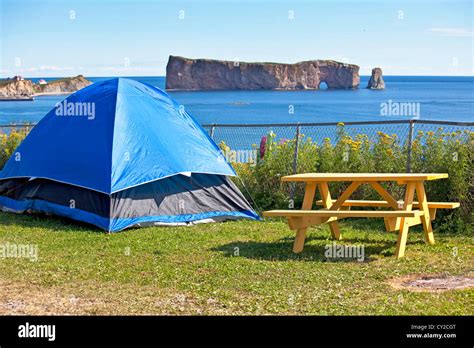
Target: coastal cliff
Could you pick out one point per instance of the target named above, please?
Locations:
(66, 85)
(20, 88)
(206, 74)
(16, 88)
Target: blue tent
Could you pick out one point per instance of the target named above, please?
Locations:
(121, 153)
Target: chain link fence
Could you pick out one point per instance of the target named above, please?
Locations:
(247, 138)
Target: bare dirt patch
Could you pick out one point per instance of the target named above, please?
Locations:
(109, 299)
(432, 283)
(21, 299)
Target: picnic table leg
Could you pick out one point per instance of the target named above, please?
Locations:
(403, 233)
(425, 219)
(389, 222)
(327, 203)
(307, 205)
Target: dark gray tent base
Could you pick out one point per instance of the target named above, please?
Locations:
(175, 196)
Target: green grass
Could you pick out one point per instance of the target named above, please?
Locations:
(194, 270)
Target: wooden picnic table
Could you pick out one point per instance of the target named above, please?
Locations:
(400, 218)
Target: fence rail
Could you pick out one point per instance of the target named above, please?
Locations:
(354, 123)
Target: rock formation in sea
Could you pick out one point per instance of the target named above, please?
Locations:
(18, 87)
(206, 74)
(376, 80)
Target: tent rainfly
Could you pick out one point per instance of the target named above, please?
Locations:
(121, 153)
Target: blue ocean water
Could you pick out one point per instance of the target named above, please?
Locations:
(440, 98)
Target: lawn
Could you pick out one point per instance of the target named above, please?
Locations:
(232, 268)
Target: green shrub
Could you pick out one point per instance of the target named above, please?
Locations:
(8, 144)
(431, 152)
(262, 180)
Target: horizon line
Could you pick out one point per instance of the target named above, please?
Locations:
(90, 76)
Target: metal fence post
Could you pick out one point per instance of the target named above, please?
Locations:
(295, 160)
(297, 145)
(411, 126)
(211, 132)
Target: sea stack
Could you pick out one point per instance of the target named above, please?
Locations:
(376, 80)
(206, 74)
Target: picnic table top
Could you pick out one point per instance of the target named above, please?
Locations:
(319, 177)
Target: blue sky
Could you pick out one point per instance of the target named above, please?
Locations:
(134, 38)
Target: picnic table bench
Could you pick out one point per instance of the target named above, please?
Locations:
(400, 218)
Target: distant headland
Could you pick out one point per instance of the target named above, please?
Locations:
(18, 88)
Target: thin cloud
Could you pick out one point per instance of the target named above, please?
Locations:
(452, 32)
(55, 68)
(45, 68)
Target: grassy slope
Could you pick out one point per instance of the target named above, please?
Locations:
(193, 271)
